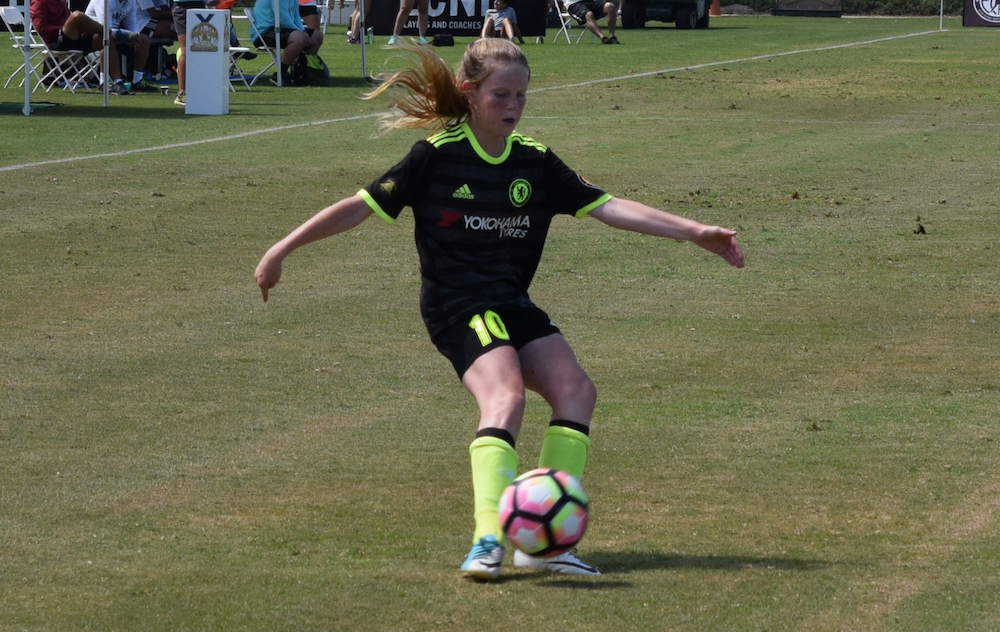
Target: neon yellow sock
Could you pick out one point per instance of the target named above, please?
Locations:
(564, 449)
(494, 465)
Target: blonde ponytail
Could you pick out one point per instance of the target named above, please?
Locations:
(430, 97)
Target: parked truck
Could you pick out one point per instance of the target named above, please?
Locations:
(685, 14)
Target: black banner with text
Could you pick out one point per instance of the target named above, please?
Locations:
(458, 17)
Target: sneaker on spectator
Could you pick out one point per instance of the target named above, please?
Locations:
(353, 40)
(423, 41)
(392, 41)
(144, 86)
(119, 88)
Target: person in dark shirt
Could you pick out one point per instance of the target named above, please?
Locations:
(483, 196)
(62, 29)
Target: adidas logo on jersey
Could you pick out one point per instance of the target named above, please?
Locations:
(463, 192)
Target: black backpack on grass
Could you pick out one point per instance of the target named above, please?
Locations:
(311, 70)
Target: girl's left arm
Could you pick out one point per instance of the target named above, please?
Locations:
(637, 217)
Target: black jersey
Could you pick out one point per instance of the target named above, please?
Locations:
(481, 222)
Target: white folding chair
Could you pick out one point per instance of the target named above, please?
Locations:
(12, 16)
(565, 21)
(68, 69)
(262, 47)
(235, 72)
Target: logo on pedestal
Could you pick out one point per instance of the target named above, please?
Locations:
(204, 36)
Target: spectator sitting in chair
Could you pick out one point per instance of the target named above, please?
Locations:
(123, 22)
(65, 30)
(295, 37)
(155, 21)
(588, 12)
(502, 20)
(354, 35)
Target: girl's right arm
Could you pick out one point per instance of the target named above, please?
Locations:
(341, 217)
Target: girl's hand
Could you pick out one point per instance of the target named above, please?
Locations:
(268, 273)
(721, 241)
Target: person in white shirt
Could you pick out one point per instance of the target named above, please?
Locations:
(501, 21)
(124, 29)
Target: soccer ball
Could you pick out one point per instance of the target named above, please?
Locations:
(544, 512)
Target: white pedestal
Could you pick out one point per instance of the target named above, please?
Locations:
(207, 80)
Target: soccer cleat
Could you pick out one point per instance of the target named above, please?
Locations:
(613, 40)
(392, 41)
(181, 100)
(566, 563)
(485, 560)
(423, 41)
(353, 40)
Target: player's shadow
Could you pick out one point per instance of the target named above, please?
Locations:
(616, 566)
(628, 561)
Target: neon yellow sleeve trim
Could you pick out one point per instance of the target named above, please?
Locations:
(370, 201)
(586, 209)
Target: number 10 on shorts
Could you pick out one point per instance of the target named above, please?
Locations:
(488, 327)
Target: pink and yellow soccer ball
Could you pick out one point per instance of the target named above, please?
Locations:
(544, 512)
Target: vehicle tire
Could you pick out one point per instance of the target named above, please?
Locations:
(702, 22)
(634, 15)
(685, 17)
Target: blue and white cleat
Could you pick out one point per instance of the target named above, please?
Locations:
(566, 563)
(485, 560)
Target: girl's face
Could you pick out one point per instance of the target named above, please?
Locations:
(497, 103)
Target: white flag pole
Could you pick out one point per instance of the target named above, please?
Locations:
(277, 36)
(26, 49)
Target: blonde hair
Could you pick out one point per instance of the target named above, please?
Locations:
(430, 95)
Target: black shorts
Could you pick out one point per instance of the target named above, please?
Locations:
(179, 13)
(308, 9)
(579, 9)
(503, 326)
(267, 37)
(84, 44)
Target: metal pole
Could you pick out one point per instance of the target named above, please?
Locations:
(364, 38)
(277, 36)
(26, 49)
(107, 52)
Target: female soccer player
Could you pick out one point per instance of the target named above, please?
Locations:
(483, 196)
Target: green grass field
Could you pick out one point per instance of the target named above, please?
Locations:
(809, 443)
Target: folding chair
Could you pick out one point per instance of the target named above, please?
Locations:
(11, 17)
(235, 72)
(567, 21)
(68, 68)
(263, 47)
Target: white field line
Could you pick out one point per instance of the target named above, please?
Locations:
(281, 128)
(736, 61)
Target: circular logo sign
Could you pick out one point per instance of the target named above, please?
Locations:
(519, 192)
(988, 10)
